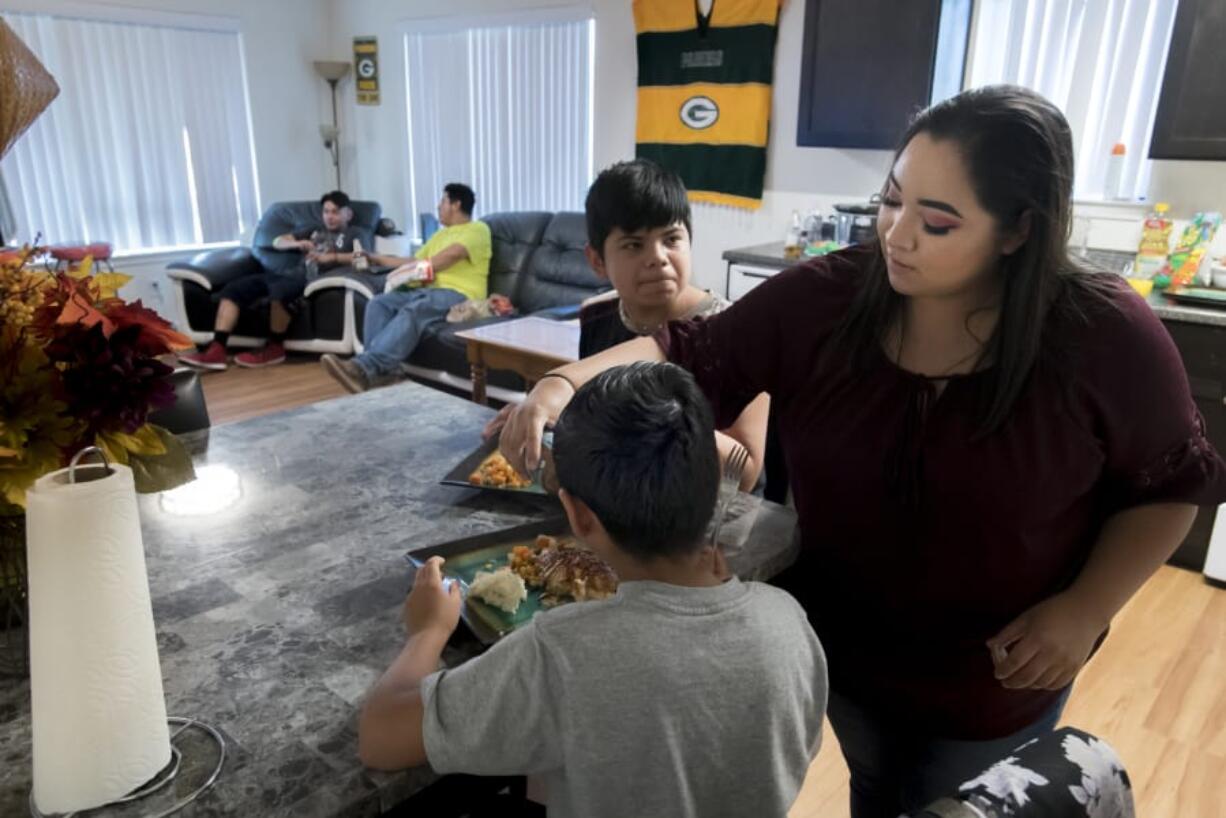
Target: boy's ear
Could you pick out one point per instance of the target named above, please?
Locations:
(582, 520)
(594, 259)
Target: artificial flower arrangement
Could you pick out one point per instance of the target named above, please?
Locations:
(80, 367)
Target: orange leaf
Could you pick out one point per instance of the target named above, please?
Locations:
(79, 311)
(157, 336)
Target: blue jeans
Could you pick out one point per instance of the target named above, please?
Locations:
(896, 771)
(395, 322)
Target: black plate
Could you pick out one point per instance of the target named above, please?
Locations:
(459, 475)
(1199, 296)
(487, 552)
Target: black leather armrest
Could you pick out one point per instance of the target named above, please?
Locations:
(213, 269)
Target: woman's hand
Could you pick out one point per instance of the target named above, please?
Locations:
(497, 422)
(520, 442)
(1045, 647)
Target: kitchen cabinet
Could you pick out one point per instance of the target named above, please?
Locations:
(1191, 118)
(744, 277)
(1203, 349)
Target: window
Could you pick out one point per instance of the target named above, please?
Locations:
(148, 145)
(505, 108)
(1100, 61)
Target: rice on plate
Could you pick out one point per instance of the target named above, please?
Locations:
(503, 589)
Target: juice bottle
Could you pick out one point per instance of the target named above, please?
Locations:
(1155, 242)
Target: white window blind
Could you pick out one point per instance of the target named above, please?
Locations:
(149, 143)
(506, 109)
(1100, 61)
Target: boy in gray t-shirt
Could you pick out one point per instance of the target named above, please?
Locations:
(686, 694)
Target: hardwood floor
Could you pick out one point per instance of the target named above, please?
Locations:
(239, 394)
(1156, 691)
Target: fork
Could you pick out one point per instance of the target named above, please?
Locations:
(729, 485)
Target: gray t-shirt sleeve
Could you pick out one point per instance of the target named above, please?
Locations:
(495, 714)
(345, 244)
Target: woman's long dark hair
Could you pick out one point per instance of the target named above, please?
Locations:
(1018, 151)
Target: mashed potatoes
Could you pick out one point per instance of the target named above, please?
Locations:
(503, 589)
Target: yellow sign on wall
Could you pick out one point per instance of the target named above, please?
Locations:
(366, 69)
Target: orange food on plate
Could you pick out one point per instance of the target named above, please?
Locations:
(496, 472)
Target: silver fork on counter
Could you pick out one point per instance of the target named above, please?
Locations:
(729, 485)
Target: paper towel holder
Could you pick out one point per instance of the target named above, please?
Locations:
(76, 461)
(165, 776)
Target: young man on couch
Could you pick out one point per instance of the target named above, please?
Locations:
(321, 250)
(459, 256)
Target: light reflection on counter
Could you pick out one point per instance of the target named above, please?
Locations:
(215, 488)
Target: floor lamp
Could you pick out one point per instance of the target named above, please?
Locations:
(332, 72)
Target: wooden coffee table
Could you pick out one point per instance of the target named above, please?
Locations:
(528, 346)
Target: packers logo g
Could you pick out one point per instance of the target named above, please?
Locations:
(699, 112)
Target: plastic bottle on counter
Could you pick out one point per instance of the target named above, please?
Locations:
(1115, 173)
(813, 230)
(792, 242)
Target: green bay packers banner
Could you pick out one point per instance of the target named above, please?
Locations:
(704, 96)
(366, 67)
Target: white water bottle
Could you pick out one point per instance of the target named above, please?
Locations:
(1115, 173)
(360, 263)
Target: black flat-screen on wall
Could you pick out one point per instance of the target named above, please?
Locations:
(867, 66)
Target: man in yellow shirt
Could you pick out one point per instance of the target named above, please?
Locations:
(459, 254)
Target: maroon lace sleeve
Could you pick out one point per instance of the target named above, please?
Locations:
(1189, 471)
(1152, 432)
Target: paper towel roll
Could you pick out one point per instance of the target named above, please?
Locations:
(99, 714)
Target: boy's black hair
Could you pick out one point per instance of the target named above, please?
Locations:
(637, 445)
(336, 197)
(462, 195)
(634, 195)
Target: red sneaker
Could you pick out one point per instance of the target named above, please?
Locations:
(267, 355)
(213, 357)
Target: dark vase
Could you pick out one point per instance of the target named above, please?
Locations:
(14, 635)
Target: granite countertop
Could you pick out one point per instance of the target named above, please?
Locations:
(766, 255)
(278, 609)
(771, 255)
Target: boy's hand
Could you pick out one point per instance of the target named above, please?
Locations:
(432, 605)
(305, 245)
(1046, 646)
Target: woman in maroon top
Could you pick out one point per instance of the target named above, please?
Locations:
(990, 450)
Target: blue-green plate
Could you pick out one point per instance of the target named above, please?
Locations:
(488, 552)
